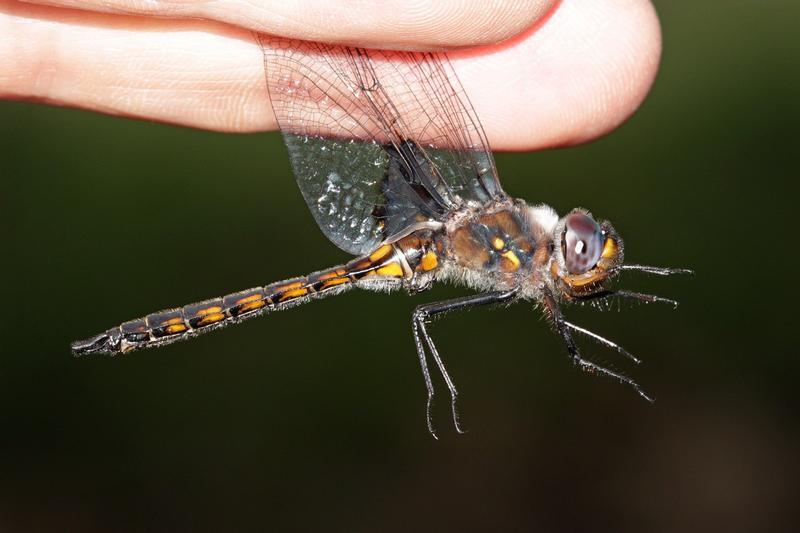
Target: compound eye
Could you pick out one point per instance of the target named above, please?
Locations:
(583, 243)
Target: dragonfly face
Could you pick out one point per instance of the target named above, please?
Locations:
(587, 256)
(397, 171)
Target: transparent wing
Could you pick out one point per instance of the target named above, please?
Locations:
(378, 140)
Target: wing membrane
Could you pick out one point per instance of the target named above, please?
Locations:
(378, 140)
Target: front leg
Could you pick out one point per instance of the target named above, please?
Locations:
(419, 321)
(563, 327)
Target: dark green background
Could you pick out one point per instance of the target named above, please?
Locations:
(314, 419)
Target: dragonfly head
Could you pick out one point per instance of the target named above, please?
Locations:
(587, 254)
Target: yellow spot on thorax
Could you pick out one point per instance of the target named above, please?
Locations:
(512, 258)
(429, 261)
(498, 243)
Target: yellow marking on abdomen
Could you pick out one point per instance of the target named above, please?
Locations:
(333, 274)
(250, 299)
(175, 328)
(294, 293)
(209, 311)
(332, 278)
(333, 282)
(252, 306)
(392, 270)
(250, 303)
(380, 253)
(210, 318)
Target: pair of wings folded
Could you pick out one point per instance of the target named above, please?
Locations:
(378, 141)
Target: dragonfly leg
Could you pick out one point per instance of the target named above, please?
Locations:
(563, 328)
(660, 271)
(631, 295)
(602, 340)
(426, 374)
(420, 320)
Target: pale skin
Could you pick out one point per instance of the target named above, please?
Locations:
(540, 73)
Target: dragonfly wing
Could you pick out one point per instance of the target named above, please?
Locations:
(378, 140)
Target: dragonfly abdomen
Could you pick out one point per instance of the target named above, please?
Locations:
(386, 266)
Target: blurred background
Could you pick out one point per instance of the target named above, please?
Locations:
(314, 418)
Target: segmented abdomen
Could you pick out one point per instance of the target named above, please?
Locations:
(164, 327)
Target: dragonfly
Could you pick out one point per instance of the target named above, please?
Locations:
(396, 169)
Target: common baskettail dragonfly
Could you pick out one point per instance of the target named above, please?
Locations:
(396, 169)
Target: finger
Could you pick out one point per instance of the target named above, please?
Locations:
(572, 78)
(427, 24)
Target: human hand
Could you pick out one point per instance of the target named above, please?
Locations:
(562, 73)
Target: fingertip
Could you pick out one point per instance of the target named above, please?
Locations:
(574, 79)
(627, 59)
(426, 24)
(631, 72)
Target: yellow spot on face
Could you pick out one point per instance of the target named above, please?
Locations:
(610, 249)
(175, 328)
(211, 318)
(498, 243)
(429, 261)
(512, 258)
(209, 311)
(381, 253)
(586, 279)
(294, 293)
(393, 270)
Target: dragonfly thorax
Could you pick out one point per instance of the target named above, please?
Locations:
(510, 244)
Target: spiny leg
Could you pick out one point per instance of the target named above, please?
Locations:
(426, 374)
(631, 295)
(563, 327)
(602, 340)
(605, 295)
(419, 323)
(660, 271)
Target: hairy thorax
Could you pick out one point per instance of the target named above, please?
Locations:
(501, 246)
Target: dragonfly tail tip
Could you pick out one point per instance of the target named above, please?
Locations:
(97, 344)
